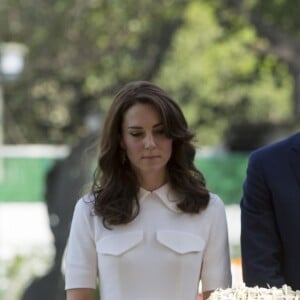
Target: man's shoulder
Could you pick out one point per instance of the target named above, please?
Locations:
(278, 147)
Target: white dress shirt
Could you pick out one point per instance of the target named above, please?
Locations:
(161, 255)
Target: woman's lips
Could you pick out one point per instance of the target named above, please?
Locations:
(151, 157)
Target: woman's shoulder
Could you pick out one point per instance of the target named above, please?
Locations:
(215, 201)
(215, 208)
(85, 205)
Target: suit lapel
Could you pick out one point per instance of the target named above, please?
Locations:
(294, 156)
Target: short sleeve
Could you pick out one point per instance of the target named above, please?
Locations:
(81, 255)
(216, 270)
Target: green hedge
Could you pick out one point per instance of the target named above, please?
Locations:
(24, 177)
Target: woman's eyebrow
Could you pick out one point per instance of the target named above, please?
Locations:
(135, 127)
(140, 127)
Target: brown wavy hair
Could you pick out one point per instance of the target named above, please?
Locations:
(115, 186)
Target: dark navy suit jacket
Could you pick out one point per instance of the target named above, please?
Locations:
(270, 216)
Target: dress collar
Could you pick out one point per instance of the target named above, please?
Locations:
(165, 194)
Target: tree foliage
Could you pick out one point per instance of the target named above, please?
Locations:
(277, 25)
(212, 56)
(80, 52)
(218, 77)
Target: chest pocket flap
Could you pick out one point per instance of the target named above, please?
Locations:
(180, 242)
(118, 244)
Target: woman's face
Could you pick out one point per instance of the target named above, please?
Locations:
(144, 140)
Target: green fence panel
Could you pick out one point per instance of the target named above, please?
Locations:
(24, 179)
(224, 174)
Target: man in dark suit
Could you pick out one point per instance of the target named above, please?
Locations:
(270, 216)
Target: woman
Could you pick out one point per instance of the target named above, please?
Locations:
(149, 229)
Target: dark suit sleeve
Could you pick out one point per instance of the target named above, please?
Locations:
(260, 243)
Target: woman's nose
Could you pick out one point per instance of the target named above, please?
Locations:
(149, 142)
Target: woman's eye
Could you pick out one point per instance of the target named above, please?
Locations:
(136, 134)
(160, 131)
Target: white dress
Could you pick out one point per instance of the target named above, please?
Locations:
(160, 255)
